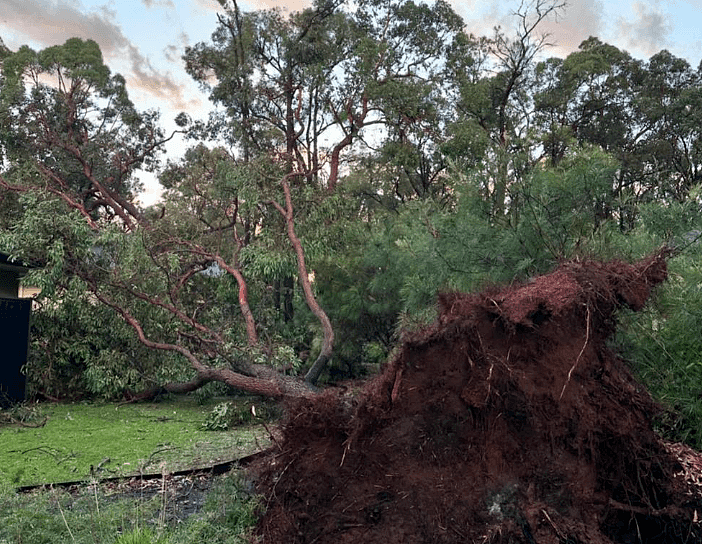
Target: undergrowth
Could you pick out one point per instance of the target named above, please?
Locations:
(90, 516)
(664, 344)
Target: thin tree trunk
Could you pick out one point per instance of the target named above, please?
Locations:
(328, 341)
(259, 379)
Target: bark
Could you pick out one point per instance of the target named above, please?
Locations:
(257, 379)
(336, 159)
(356, 123)
(328, 340)
(243, 295)
(243, 300)
(70, 202)
(171, 387)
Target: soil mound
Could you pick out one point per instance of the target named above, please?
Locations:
(508, 420)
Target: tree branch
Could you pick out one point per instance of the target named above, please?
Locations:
(328, 341)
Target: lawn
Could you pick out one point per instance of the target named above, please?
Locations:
(122, 440)
(117, 440)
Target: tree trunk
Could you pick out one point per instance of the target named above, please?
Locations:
(328, 342)
(267, 382)
(254, 378)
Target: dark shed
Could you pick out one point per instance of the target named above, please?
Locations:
(14, 331)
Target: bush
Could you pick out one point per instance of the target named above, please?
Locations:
(220, 418)
(229, 414)
(665, 343)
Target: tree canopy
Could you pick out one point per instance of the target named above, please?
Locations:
(358, 159)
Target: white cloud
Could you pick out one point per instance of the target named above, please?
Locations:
(158, 83)
(251, 5)
(174, 51)
(155, 3)
(46, 23)
(50, 23)
(648, 32)
(580, 20)
(210, 5)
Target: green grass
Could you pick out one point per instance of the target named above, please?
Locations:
(156, 437)
(121, 440)
(90, 516)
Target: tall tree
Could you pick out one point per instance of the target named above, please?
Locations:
(57, 143)
(667, 106)
(495, 106)
(643, 113)
(311, 82)
(269, 70)
(588, 98)
(72, 141)
(304, 87)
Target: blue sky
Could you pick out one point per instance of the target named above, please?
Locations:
(145, 39)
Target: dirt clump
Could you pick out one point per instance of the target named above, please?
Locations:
(509, 420)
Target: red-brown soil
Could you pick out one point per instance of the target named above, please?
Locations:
(507, 421)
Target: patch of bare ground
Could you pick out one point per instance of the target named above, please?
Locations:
(509, 420)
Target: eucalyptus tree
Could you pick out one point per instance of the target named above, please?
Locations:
(268, 72)
(69, 130)
(589, 98)
(643, 113)
(303, 88)
(72, 143)
(317, 82)
(493, 129)
(407, 46)
(309, 83)
(668, 106)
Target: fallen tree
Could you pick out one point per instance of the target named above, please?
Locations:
(73, 142)
(507, 420)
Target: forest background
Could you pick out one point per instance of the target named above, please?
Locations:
(359, 159)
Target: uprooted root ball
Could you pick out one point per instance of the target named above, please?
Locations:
(508, 420)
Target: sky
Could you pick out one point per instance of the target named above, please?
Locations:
(144, 40)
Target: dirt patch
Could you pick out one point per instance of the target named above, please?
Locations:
(180, 496)
(508, 420)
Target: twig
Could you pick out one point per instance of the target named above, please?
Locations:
(487, 396)
(271, 435)
(253, 413)
(347, 447)
(558, 533)
(667, 511)
(153, 454)
(587, 339)
(43, 449)
(11, 419)
(280, 476)
(58, 501)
